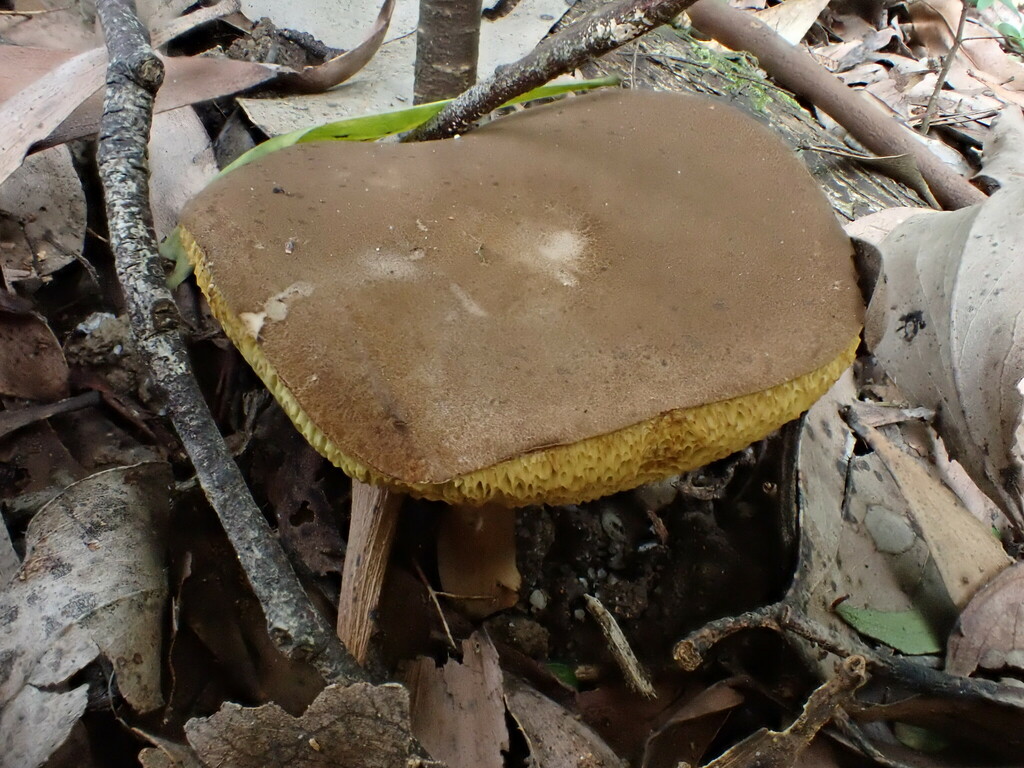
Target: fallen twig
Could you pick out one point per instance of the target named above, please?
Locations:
(783, 618)
(793, 68)
(134, 74)
(940, 81)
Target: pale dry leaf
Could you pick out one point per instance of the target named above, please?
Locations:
(181, 163)
(356, 726)
(35, 111)
(158, 13)
(554, 736)
(1004, 155)
(92, 583)
(857, 543)
(945, 323)
(21, 65)
(458, 711)
(962, 548)
(825, 451)
(36, 723)
(9, 560)
(64, 25)
(990, 633)
(793, 18)
(42, 216)
(187, 80)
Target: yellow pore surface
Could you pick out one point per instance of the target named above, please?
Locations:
(670, 443)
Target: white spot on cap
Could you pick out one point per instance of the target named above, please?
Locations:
(275, 309)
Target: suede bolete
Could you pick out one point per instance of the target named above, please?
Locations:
(568, 302)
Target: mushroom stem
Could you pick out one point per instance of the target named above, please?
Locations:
(476, 557)
(370, 536)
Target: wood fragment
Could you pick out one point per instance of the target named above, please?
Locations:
(636, 676)
(370, 535)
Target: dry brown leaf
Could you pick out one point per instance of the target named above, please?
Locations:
(92, 583)
(342, 67)
(356, 726)
(187, 80)
(945, 323)
(35, 111)
(42, 216)
(980, 59)
(36, 723)
(64, 25)
(782, 749)
(32, 365)
(166, 753)
(689, 731)
(792, 18)
(458, 712)
(41, 105)
(555, 737)
(990, 633)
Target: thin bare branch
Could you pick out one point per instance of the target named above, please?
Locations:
(133, 76)
(590, 37)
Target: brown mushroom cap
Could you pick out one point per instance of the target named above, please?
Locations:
(568, 302)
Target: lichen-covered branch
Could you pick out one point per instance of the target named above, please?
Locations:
(605, 30)
(133, 76)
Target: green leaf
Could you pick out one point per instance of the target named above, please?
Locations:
(920, 739)
(172, 250)
(907, 631)
(1012, 5)
(373, 127)
(564, 672)
(981, 5)
(1009, 31)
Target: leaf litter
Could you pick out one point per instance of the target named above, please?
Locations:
(76, 598)
(889, 556)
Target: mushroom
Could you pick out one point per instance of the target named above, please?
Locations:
(570, 301)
